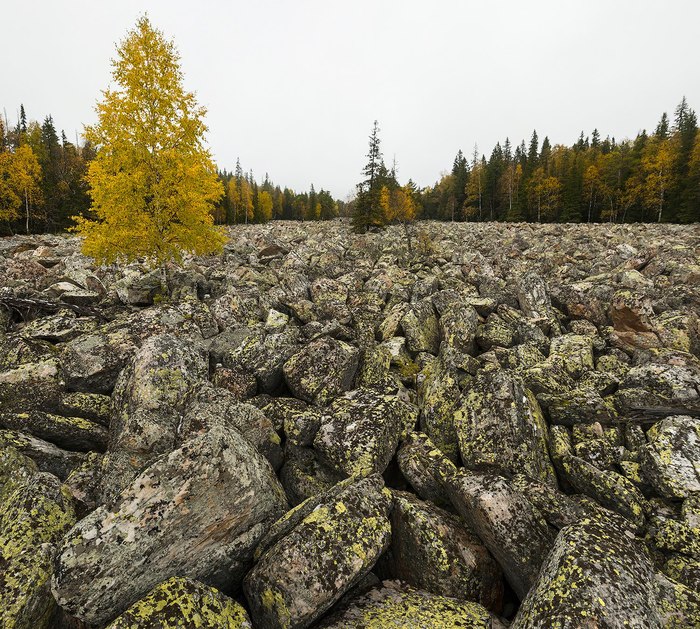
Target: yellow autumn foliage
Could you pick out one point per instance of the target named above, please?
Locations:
(153, 184)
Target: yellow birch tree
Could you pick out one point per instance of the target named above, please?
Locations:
(153, 183)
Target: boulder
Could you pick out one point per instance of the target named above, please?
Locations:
(148, 404)
(35, 512)
(576, 588)
(433, 550)
(500, 426)
(421, 328)
(671, 460)
(321, 370)
(360, 431)
(47, 457)
(71, 433)
(183, 603)
(509, 525)
(197, 512)
(31, 386)
(394, 604)
(301, 576)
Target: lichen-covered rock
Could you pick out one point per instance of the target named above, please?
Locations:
(438, 399)
(678, 605)
(71, 433)
(303, 475)
(671, 460)
(31, 386)
(495, 333)
(458, 327)
(59, 328)
(183, 603)
(432, 550)
(148, 404)
(360, 431)
(210, 407)
(500, 426)
(263, 355)
(215, 494)
(534, 300)
(421, 328)
(610, 489)
(92, 406)
(330, 550)
(670, 385)
(92, 362)
(578, 405)
(139, 289)
(425, 467)
(48, 457)
(509, 525)
(596, 575)
(321, 370)
(35, 512)
(393, 604)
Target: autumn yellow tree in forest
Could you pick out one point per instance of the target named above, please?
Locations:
(153, 184)
(20, 176)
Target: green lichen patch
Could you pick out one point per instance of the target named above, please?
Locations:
(183, 604)
(34, 515)
(394, 605)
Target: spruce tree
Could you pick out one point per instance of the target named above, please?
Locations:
(368, 210)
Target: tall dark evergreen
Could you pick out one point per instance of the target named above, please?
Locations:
(367, 210)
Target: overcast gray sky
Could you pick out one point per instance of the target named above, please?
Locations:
(292, 87)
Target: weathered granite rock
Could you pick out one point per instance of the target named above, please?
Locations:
(148, 405)
(48, 457)
(209, 407)
(360, 431)
(183, 603)
(71, 433)
(139, 289)
(394, 604)
(576, 586)
(330, 550)
(31, 386)
(92, 362)
(303, 475)
(425, 467)
(433, 550)
(35, 512)
(321, 370)
(671, 460)
(512, 529)
(59, 328)
(421, 328)
(215, 495)
(500, 426)
(92, 406)
(438, 400)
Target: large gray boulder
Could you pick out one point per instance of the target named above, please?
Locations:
(395, 604)
(197, 512)
(321, 370)
(500, 426)
(35, 512)
(671, 460)
(148, 406)
(302, 575)
(598, 575)
(180, 602)
(509, 525)
(360, 431)
(433, 550)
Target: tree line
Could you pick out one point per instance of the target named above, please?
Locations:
(246, 201)
(654, 177)
(42, 176)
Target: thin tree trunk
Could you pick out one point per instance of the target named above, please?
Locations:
(26, 204)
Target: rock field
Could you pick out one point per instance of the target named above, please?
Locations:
(500, 428)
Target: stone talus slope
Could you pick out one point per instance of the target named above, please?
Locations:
(321, 429)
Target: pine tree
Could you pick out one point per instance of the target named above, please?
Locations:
(153, 184)
(367, 210)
